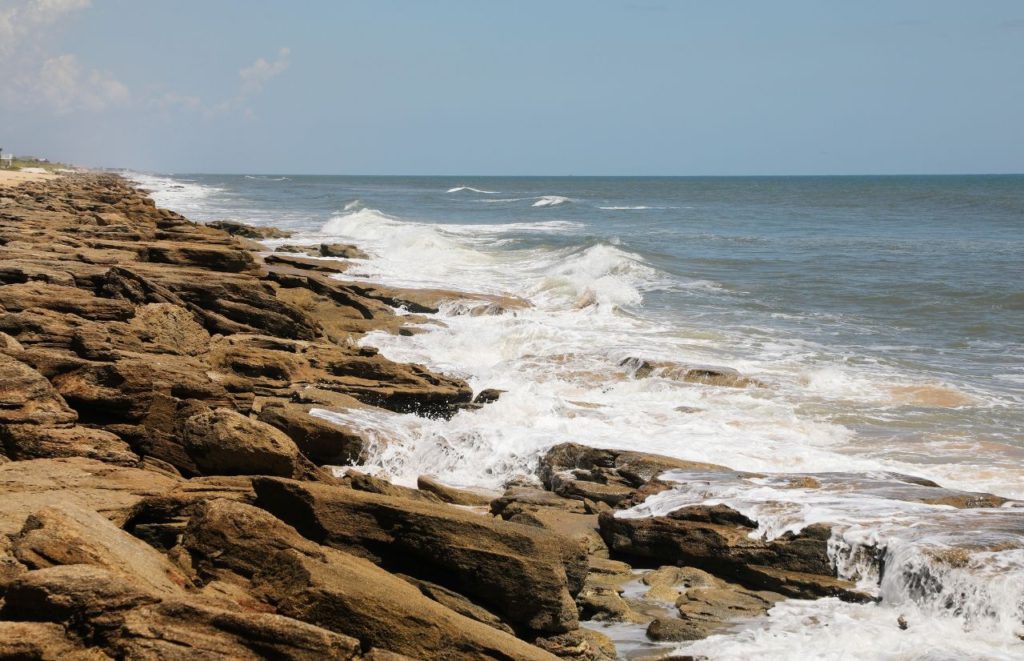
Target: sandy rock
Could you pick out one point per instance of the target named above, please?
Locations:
(717, 538)
(318, 439)
(523, 574)
(68, 300)
(453, 495)
(26, 397)
(337, 591)
(113, 491)
(68, 534)
(169, 328)
(37, 442)
(307, 263)
(361, 481)
(44, 641)
(225, 442)
(344, 250)
(257, 232)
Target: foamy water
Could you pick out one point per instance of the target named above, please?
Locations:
(835, 382)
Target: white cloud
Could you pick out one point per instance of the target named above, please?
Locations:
(60, 83)
(65, 86)
(256, 75)
(36, 77)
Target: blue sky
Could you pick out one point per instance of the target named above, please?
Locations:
(638, 87)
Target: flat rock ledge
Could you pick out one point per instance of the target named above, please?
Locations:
(166, 494)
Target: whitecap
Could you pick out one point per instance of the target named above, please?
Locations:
(458, 189)
(551, 201)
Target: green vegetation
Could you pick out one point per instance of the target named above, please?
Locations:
(32, 162)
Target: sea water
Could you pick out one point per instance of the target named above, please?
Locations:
(879, 322)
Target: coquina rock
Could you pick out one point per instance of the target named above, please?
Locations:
(524, 574)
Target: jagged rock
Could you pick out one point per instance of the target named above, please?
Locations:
(257, 232)
(318, 439)
(124, 391)
(335, 590)
(224, 442)
(37, 442)
(68, 300)
(524, 574)
(68, 534)
(26, 397)
(458, 603)
(453, 495)
(169, 328)
(717, 538)
(372, 484)
(113, 491)
(308, 263)
(579, 645)
(343, 250)
(44, 641)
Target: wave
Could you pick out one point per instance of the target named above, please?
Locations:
(551, 201)
(931, 561)
(458, 189)
(640, 207)
(266, 178)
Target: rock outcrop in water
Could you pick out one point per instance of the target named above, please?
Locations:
(165, 491)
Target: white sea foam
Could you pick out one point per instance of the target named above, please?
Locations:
(187, 197)
(458, 189)
(551, 201)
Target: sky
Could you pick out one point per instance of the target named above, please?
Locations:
(477, 87)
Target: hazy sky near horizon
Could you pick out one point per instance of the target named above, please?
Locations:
(560, 87)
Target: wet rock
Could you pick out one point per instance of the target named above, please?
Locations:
(308, 263)
(579, 645)
(523, 574)
(321, 441)
(632, 468)
(488, 396)
(453, 495)
(372, 484)
(257, 232)
(673, 630)
(344, 250)
(717, 538)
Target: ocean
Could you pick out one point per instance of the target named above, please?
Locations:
(876, 326)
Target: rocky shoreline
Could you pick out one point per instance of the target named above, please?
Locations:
(166, 493)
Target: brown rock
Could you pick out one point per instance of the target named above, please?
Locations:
(257, 232)
(36, 442)
(69, 534)
(344, 250)
(318, 439)
(224, 442)
(717, 538)
(26, 397)
(453, 495)
(337, 591)
(69, 300)
(524, 574)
